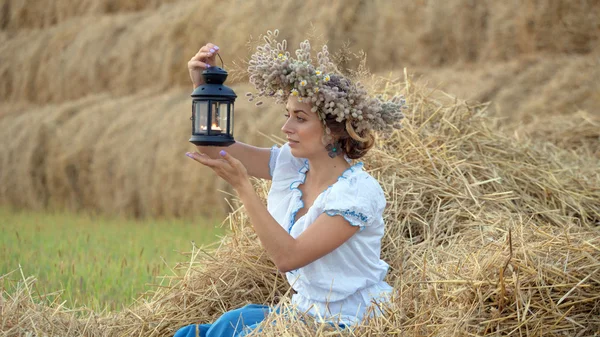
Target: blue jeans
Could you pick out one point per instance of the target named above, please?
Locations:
(234, 323)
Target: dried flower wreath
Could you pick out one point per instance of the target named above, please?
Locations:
(274, 73)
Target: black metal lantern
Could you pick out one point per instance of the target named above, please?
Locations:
(212, 110)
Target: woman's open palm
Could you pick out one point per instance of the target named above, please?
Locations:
(228, 168)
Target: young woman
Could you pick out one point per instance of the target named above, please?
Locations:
(323, 221)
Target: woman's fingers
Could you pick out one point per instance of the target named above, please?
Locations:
(208, 161)
(227, 163)
(203, 55)
(207, 52)
(234, 163)
(229, 158)
(205, 49)
(212, 48)
(203, 60)
(202, 158)
(193, 64)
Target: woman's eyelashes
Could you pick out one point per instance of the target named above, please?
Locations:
(300, 119)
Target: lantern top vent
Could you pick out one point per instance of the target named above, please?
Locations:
(214, 77)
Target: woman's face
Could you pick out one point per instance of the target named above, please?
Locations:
(303, 129)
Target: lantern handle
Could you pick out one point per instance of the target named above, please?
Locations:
(219, 55)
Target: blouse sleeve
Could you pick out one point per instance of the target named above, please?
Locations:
(273, 159)
(360, 200)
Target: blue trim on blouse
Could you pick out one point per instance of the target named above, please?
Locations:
(346, 214)
(303, 171)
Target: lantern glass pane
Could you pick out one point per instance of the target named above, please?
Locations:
(201, 116)
(231, 118)
(223, 116)
(215, 125)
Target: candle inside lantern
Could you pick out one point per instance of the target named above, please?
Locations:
(214, 129)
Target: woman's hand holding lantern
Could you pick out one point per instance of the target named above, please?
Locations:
(228, 168)
(204, 58)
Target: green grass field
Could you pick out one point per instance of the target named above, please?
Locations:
(101, 263)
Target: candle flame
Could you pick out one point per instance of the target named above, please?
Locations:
(214, 126)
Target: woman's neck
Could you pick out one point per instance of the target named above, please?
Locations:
(325, 170)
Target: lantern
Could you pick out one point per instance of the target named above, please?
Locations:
(212, 110)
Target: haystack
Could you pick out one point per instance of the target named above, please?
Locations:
(28, 14)
(486, 235)
(118, 156)
(107, 45)
(525, 90)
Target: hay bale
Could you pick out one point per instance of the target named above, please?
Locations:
(118, 155)
(126, 51)
(75, 153)
(28, 152)
(524, 90)
(34, 14)
(20, 163)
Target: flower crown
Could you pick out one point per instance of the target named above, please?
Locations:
(274, 73)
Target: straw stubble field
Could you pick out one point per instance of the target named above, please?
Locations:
(493, 208)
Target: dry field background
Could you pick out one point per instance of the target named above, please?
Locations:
(95, 94)
(494, 184)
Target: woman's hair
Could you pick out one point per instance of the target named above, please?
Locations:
(355, 145)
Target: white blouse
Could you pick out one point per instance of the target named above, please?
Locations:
(342, 284)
